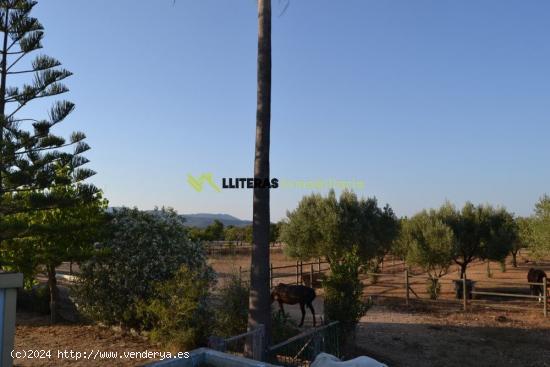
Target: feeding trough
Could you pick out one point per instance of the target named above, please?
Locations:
(470, 284)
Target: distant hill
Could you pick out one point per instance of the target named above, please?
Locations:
(205, 219)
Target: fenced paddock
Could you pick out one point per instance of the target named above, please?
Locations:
(495, 293)
(504, 290)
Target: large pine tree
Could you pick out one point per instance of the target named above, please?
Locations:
(30, 154)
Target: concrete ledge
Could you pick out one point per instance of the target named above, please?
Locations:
(11, 280)
(210, 357)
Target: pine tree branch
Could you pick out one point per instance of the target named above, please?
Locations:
(35, 96)
(14, 42)
(17, 52)
(16, 61)
(25, 120)
(45, 148)
(21, 72)
(37, 188)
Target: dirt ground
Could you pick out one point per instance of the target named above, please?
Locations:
(495, 331)
(422, 336)
(34, 333)
(425, 333)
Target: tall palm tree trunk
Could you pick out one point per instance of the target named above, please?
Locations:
(259, 299)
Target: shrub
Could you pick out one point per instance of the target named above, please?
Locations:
(343, 294)
(231, 315)
(35, 299)
(141, 249)
(179, 314)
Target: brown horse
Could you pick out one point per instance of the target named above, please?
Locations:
(536, 276)
(293, 294)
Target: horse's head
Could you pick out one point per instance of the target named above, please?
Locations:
(275, 292)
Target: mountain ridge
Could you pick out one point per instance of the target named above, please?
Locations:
(203, 220)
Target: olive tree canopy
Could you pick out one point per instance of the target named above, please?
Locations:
(331, 227)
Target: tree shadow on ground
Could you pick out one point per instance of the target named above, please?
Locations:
(426, 345)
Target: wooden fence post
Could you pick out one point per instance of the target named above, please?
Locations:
(301, 272)
(319, 259)
(311, 276)
(297, 272)
(545, 295)
(240, 276)
(258, 347)
(271, 275)
(407, 286)
(464, 293)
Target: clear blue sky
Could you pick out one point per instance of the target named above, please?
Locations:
(423, 100)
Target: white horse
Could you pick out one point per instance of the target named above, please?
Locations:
(328, 360)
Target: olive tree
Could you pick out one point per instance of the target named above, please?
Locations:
(429, 244)
(524, 238)
(331, 227)
(540, 228)
(349, 232)
(480, 232)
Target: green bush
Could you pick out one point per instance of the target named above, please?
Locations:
(231, 315)
(179, 315)
(35, 299)
(141, 249)
(344, 293)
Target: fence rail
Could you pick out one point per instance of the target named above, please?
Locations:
(297, 351)
(307, 273)
(465, 289)
(237, 344)
(222, 248)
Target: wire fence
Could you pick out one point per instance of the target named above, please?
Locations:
(250, 344)
(297, 351)
(301, 350)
